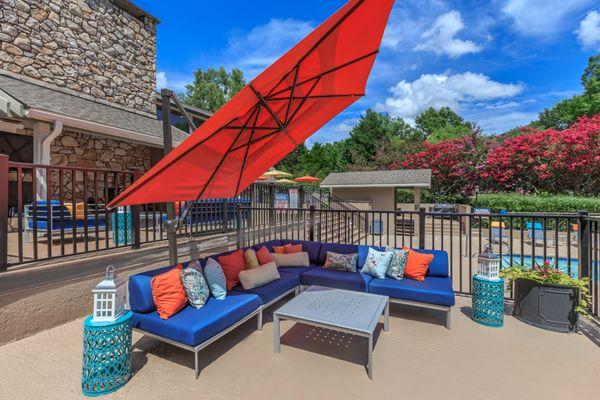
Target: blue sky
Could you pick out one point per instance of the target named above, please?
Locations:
(497, 63)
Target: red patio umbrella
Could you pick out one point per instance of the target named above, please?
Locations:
(307, 179)
(303, 90)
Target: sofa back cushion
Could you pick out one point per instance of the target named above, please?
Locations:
(269, 245)
(439, 265)
(335, 248)
(312, 248)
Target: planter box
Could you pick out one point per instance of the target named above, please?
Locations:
(546, 306)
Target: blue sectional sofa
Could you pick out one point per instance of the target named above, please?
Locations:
(193, 329)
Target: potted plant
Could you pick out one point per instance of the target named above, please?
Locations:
(546, 297)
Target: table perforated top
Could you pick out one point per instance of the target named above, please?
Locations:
(346, 309)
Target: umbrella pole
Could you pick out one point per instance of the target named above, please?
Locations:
(168, 146)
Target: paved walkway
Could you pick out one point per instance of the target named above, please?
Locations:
(417, 359)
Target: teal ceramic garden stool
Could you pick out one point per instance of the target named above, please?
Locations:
(488, 301)
(106, 355)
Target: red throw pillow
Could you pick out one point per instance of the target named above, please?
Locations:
(168, 293)
(232, 265)
(417, 265)
(292, 248)
(279, 249)
(264, 256)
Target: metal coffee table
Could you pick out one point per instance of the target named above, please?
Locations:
(346, 311)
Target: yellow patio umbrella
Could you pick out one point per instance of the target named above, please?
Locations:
(276, 174)
(285, 182)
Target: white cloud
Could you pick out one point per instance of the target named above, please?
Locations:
(257, 49)
(588, 32)
(161, 80)
(440, 38)
(503, 122)
(409, 99)
(542, 17)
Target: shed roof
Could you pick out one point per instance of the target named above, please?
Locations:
(44, 98)
(392, 178)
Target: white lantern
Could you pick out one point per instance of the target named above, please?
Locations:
(110, 297)
(488, 264)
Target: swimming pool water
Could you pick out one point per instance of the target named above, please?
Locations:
(562, 263)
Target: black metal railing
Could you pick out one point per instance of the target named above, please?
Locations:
(570, 241)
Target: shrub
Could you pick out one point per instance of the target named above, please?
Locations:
(531, 203)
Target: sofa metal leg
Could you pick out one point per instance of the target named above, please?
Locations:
(297, 291)
(259, 318)
(197, 369)
(449, 319)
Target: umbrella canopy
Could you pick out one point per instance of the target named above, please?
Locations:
(276, 174)
(285, 182)
(303, 90)
(307, 179)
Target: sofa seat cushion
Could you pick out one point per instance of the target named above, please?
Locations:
(434, 290)
(297, 270)
(273, 289)
(336, 279)
(193, 326)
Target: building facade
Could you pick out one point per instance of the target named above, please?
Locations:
(77, 85)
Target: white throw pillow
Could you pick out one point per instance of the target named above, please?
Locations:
(291, 259)
(251, 278)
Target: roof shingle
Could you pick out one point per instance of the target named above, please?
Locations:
(392, 178)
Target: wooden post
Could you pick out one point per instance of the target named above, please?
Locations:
(3, 212)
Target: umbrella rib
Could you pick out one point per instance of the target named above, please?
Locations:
(214, 173)
(330, 31)
(319, 96)
(329, 71)
(237, 188)
(304, 99)
(262, 101)
(291, 98)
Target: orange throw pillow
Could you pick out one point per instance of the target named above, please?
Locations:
(292, 248)
(279, 249)
(168, 293)
(264, 256)
(417, 265)
(232, 265)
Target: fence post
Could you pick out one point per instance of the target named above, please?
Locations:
(3, 212)
(224, 216)
(239, 227)
(421, 228)
(135, 222)
(584, 244)
(311, 223)
(271, 204)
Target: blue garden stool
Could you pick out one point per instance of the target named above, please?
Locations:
(488, 301)
(106, 355)
(121, 228)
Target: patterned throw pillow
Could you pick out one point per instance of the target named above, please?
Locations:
(377, 263)
(398, 263)
(341, 262)
(194, 283)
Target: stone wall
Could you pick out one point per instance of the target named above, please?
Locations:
(75, 149)
(88, 46)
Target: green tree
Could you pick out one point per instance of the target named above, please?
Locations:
(443, 124)
(563, 114)
(212, 88)
(373, 134)
(292, 163)
(322, 159)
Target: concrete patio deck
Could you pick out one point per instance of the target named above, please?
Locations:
(417, 359)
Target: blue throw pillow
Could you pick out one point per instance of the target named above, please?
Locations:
(377, 263)
(216, 279)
